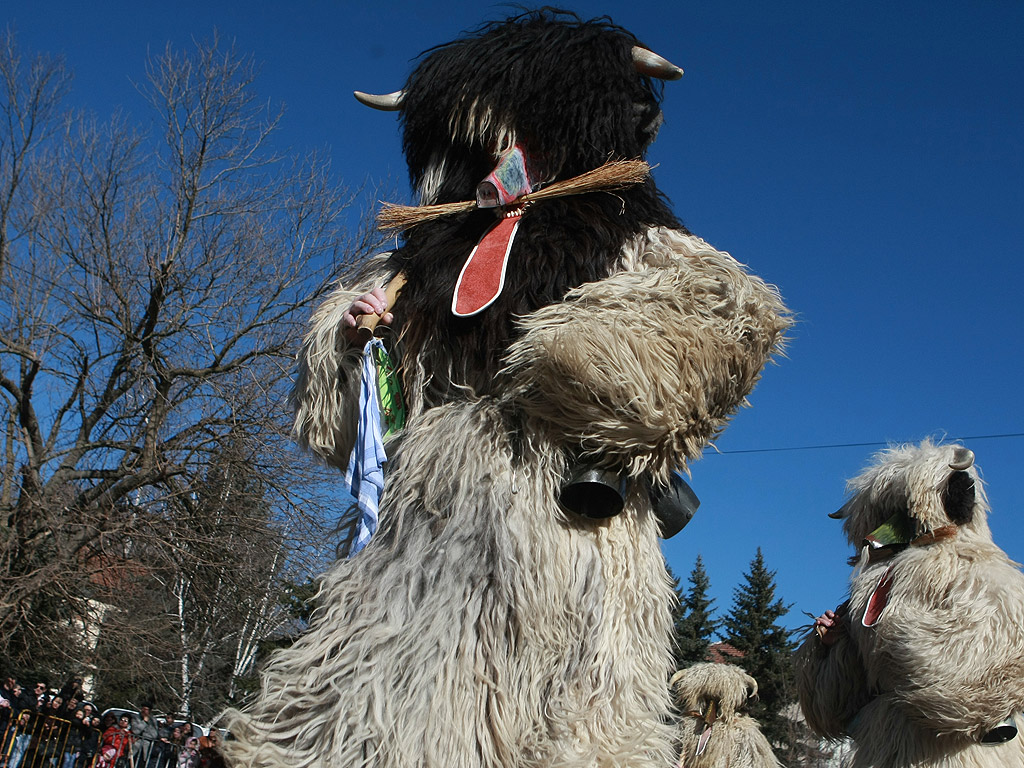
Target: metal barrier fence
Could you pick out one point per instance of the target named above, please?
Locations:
(34, 740)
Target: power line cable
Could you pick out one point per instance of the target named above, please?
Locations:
(874, 444)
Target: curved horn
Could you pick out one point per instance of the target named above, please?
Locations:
(963, 458)
(751, 687)
(389, 102)
(839, 514)
(651, 64)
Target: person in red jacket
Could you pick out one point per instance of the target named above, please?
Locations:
(116, 745)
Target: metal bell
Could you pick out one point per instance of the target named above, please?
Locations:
(595, 493)
(1002, 733)
(674, 505)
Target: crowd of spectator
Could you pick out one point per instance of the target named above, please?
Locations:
(43, 729)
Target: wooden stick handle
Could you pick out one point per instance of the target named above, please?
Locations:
(367, 324)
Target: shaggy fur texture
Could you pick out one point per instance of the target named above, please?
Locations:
(736, 740)
(484, 625)
(945, 661)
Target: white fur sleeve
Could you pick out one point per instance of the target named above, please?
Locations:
(831, 684)
(958, 666)
(326, 393)
(645, 367)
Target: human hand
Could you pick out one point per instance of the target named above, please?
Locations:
(829, 628)
(372, 303)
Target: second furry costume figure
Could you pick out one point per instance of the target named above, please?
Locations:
(924, 665)
(714, 732)
(485, 624)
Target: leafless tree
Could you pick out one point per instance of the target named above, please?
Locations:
(153, 287)
(200, 598)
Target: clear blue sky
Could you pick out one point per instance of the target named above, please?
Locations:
(865, 157)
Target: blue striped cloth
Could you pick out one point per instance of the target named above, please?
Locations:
(365, 472)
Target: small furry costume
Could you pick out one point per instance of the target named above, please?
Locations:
(710, 697)
(941, 663)
(484, 625)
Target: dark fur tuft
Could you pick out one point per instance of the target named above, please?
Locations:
(959, 497)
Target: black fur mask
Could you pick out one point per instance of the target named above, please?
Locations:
(565, 88)
(568, 91)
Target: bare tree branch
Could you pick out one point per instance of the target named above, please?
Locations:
(153, 290)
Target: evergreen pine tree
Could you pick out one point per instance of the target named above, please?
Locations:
(694, 625)
(752, 628)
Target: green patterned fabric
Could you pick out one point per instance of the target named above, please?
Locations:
(389, 389)
(898, 529)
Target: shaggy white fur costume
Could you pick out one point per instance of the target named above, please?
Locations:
(484, 625)
(735, 739)
(944, 663)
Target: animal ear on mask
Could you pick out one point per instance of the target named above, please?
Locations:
(958, 497)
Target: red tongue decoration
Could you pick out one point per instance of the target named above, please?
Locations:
(878, 600)
(702, 742)
(483, 274)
